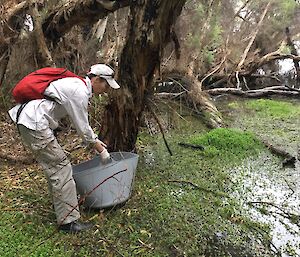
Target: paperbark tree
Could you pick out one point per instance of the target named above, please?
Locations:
(49, 29)
(148, 33)
(150, 26)
(9, 32)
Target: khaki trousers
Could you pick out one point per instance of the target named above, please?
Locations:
(57, 169)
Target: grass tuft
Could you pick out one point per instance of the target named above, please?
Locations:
(228, 142)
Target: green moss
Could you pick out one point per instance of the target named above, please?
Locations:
(228, 143)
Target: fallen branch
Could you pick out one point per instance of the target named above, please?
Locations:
(165, 95)
(293, 89)
(289, 160)
(276, 150)
(198, 147)
(254, 93)
(288, 215)
(266, 76)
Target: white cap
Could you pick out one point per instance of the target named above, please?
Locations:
(104, 71)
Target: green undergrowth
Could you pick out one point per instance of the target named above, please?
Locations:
(20, 232)
(228, 143)
(275, 121)
(274, 108)
(188, 194)
(181, 204)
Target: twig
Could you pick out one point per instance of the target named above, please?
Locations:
(160, 128)
(259, 230)
(288, 215)
(82, 199)
(178, 83)
(144, 244)
(170, 95)
(79, 203)
(213, 70)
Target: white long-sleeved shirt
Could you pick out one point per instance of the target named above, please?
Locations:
(71, 97)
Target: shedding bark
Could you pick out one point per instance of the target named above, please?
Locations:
(202, 102)
(10, 26)
(58, 22)
(148, 33)
(188, 89)
(100, 29)
(78, 12)
(44, 53)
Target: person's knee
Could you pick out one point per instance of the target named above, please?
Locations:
(62, 184)
(61, 176)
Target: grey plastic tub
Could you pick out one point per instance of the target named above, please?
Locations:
(106, 185)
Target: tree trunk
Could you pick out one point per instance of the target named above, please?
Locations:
(148, 33)
(3, 65)
(202, 102)
(45, 57)
(65, 16)
(10, 26)
(293, 52)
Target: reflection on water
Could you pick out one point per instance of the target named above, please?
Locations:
(261, 183)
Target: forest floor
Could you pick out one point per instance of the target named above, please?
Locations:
(232, 199)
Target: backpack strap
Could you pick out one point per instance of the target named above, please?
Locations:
(19, 113)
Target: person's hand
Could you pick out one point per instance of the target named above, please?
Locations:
(99, 146)
(105, 156)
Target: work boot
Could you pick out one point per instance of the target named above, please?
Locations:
(75, 226)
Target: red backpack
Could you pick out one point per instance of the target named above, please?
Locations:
(33, 85)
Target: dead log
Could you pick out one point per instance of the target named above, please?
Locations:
(254, 93)
(248, 70)
(189, 89)
(289, 160)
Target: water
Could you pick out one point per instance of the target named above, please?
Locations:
(262, 183)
